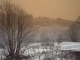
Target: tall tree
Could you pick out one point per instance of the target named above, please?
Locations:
(15, 26)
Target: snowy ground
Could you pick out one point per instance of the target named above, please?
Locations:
(74, 46)
(36, 54)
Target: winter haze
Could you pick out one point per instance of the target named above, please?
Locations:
(40, 29)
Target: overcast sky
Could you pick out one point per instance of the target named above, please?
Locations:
(66, 9)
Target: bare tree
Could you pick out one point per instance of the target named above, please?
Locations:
(74, 31)
(15, 25)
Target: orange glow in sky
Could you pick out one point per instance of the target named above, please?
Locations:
(66, 9)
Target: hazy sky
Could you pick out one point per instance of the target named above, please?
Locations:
(66, 9)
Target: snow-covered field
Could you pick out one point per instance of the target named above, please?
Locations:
(37, 54)
(75, 46)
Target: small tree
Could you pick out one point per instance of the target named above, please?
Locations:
(14, 28)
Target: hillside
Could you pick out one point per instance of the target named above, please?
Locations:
(46, 30)
(51, 22)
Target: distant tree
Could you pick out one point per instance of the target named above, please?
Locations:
(31, 16)
(39, 16)
(59, 18)
(78, 18)
(14, 29)
(60, 38)
(74, 30)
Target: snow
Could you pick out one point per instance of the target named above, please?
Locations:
(1, 54)
(36, 53)
(74, 46)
